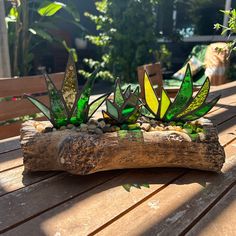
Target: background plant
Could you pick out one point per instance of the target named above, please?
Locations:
(127, 31)
(32, 22)
(230, 29)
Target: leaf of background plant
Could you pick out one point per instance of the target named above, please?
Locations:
(13, 13)
(41, 33)
(96, 104)
(72, 10)
(50, 9)
(182, 98)
(70, 85)
(201, 111)
(150, 95)
(198, 100)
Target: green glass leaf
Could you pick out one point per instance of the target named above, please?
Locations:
(96, 104)
(182, 98)
(127, 187)
(127, 91)
(146, 112)
(83, 99)
(133, 117)
(112, 110)
(118, 96)
(57, 104)
(70, 84)
(201, 111)
(198, 100)
(127, 111)
(45, 110)
(49, 9)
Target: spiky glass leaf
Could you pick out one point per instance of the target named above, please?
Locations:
(69, 105)
(185, 107)
(124, 108)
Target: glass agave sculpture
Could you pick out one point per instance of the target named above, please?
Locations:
(125, 107)
(69, 105)
(184, 108)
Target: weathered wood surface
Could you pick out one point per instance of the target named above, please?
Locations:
(83, 153)
(98, 204)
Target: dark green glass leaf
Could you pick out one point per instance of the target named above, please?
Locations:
(198, 100)
(45, 110)
(70, 84)
(112, 110)
(201, 111)
(96, 104)
(182, 98)
(57, 104)
(118, 96)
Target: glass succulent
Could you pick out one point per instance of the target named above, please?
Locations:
(125, 107)
(69, 105)
(185, 107)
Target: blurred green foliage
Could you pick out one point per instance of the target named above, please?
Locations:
(127, 33)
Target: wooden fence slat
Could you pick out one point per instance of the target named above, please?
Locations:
(19, 108)
(29, 84)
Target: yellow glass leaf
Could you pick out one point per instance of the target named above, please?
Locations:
(150, 95)
(165, 103)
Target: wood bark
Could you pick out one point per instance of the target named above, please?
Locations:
(83, 153)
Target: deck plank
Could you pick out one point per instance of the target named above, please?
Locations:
(172, 210)
(18, 206)
(91, 210)
(14, 179)
(220, 220)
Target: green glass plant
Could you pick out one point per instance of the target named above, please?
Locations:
(69, 105)
(185, 107)
(125, 107)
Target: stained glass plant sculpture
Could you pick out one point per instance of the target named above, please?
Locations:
(185, 107)
(125, 107)
(69, 105)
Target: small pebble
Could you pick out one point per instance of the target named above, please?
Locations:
(159, 128)
(146, 126)
(62, 128)
(98, 131)
(48, 129)
(92, 127)
(202, 136)
(40, 127)
(83, 126)
(70, 126)
(107, 129)
(101, 124)
(93, 122)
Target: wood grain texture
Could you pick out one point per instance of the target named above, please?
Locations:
(220, 220)
(83, 153)
(29, 84)
(172, 210)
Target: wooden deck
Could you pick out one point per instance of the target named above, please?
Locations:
(177, 202)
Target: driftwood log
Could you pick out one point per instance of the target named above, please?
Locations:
(83, 153)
